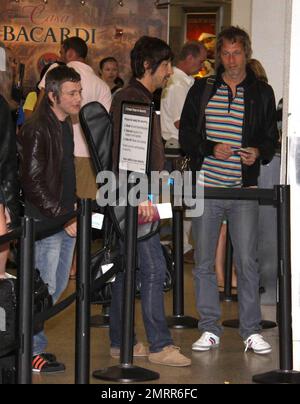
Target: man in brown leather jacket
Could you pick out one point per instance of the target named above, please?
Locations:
(49, 185)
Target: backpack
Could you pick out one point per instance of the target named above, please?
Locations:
(97, 128)
(8, 369)
(8, 343)
(42, 301)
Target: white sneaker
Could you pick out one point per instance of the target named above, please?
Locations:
(258, 345)
(206, 342)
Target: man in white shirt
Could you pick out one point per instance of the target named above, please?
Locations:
(74, 52)
(190, 60)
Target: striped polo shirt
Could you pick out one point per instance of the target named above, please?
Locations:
(224, 124)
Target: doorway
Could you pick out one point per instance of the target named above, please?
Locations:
(190, 18)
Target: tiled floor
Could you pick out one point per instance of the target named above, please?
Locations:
(228, 364)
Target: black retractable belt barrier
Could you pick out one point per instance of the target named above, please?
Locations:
(286, 374)
(227, 295)
(258, 194)
(25, 307)
(280, 196)
(82, 344)
(179, 320)
(28, 232)
(126, 372)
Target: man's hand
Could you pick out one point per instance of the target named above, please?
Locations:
(248, 158)
(71, 228)
(146, 210)
(222, 151)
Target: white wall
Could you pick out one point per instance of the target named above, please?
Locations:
(264, 20)
(241, 12)
(292, 119)
(268, 34)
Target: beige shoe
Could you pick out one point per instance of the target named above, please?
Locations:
(138, 350)
(169, 356)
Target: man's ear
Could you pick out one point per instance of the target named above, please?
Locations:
(189, 58)
(52, 97)
(70, 55)
(146, 65)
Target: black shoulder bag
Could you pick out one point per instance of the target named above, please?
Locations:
(183, 164)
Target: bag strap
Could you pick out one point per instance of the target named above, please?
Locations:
(109, 234)
(210, 81)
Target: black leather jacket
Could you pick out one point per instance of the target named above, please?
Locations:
(8, 164)
(259, 129)
(41, 153)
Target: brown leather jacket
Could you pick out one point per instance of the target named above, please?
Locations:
(135, 91)
(41, 154)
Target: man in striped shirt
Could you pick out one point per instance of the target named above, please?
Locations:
(238, 132)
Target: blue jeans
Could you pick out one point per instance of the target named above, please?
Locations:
(243, 228)
(53, 258)
(152, 267)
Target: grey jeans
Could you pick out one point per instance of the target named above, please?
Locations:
(242, 219)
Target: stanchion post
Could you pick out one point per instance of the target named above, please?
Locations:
(286, 374)
(228, 270)
(285, 277)
(126, 372)
(82, 350)
(25, 307)
(178, 293)
(126, 353)
(179, 320)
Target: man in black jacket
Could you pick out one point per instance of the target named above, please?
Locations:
(237, 133)
(49, 185)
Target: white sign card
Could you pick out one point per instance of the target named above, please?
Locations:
(135, 137)
(164, 210)
(97, 221)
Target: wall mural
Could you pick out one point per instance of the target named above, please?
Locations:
(34, 29)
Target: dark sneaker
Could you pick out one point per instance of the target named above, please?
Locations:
(50, 357)
(46, 363)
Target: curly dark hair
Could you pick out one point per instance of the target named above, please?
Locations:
(151, 50)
